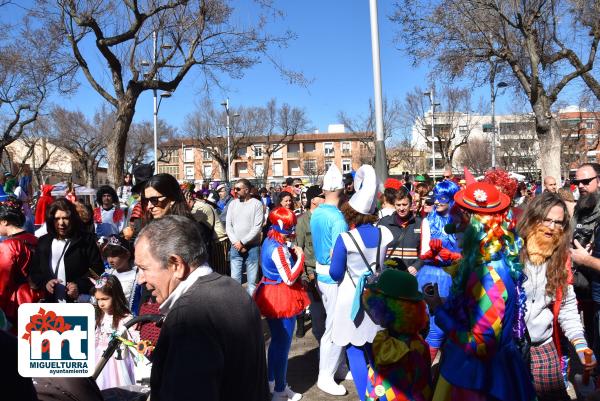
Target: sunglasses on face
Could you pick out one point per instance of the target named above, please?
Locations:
(447, 176)
(297, 185)
(584, 181)
(237, 189)
(155, 200)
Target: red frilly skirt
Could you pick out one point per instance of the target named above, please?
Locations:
(279, 300)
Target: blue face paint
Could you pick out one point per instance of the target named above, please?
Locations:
(443, 199)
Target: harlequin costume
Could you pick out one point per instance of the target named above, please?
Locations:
(280, 297)
(484, 314)
(399, 361)
(109, 222)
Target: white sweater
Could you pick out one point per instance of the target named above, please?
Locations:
(539, 317)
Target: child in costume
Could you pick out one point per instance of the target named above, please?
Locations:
(400, 365)
(484, 314)
(438, 250)
(118, 254)
(111, 314)
(280, 297)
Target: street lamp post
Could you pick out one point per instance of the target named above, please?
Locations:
(494, 92)
(228, 126)
(430, 95)
(157, 99)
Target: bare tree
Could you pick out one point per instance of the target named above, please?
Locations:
(140, 142)
(187, 34)
(453, 120)
(274, 127)
(30, 67)
(529, 38)
(312, 166)
(476, 155)
(358, 125)
(85, 140)
(407, 155)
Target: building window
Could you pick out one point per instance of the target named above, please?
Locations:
(328, 164)
(207, 171)
(346, 165)
(206, 154)
(346, 147)
(188, 155)
(189, 172)
(173, 170)
(242, 152)
(309, 147)
(294, 166)
(310, 166)
(293, 148)
(589, 125)
(277, 169)
(170, 156)
(328, 149)
(258, 169)
(278, 154)
(258, 151)
(242, 168)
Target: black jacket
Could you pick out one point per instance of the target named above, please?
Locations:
(406, 245)
(211, 346)
(81, 255)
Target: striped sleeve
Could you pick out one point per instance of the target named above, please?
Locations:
(289, 274)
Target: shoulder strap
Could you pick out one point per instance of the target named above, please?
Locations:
(364, 258)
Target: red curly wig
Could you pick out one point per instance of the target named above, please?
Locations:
(283, 223)
(505, 183)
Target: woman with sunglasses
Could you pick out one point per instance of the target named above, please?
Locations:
(438, 250)
(162, 196)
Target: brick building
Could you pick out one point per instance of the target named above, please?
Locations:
(266, 160)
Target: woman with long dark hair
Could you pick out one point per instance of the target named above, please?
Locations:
(65, 255)
(162, 196)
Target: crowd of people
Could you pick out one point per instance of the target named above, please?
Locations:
(496, 281)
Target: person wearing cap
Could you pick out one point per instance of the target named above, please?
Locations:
(406, 228)
(483, 317)
(439, 249)
(136, 210)
(314, 198)
(399, 361)
(326, 224)
(280, 296)
(357, 255)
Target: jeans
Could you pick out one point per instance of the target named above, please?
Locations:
(250, 260)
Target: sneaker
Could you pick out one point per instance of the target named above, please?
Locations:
(286, 395)
(329, 386)
(271, 386)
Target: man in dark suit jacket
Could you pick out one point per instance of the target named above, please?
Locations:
(211, 345)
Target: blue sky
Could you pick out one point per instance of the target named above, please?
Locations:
(333, 49)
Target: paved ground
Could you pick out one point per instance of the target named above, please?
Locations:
(303, 368)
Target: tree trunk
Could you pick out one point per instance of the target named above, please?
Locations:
(548, 133)
(115, 149)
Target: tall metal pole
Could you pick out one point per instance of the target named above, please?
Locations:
(154, 44)
(228, 142)
(431, 98)
(493, 127)
(380, 156)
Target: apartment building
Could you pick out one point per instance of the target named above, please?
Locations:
(268, 160)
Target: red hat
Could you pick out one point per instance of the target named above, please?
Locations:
(392, 183)
(481, 197)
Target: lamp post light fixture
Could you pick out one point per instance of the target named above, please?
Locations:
(228, 126)
(433, 104)
(157, 99)
(494, 92)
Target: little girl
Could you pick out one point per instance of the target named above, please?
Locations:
(111, 313)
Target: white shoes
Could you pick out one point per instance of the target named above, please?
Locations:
(329, 386)
(271, 386)
(286, 395)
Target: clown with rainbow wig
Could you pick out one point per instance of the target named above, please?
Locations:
(280, 297)
(484, 314)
